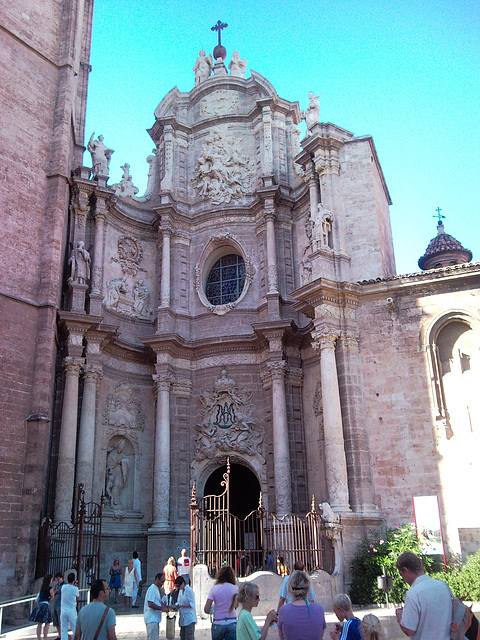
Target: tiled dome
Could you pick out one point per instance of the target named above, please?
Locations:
(443, 250)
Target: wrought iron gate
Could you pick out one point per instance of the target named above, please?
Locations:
(218, 537)
(73, 546)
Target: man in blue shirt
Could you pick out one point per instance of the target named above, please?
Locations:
(350, 629)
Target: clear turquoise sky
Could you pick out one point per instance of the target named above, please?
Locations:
(408, 73)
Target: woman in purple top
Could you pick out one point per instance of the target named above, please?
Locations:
(301, 620)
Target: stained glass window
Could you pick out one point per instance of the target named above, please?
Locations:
(225, 280)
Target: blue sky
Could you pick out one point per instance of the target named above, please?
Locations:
(408, 73)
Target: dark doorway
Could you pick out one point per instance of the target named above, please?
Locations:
(244, 488)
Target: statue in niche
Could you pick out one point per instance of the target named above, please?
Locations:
(238, 68)
(141, 296)
(227, 424)
(125, 187)
(101, 156)
(116, 473)
(115, 288)
(322, 228)
(79, 264)
(203, 67)
(312, 112)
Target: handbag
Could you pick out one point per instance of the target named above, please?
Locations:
(170, 630)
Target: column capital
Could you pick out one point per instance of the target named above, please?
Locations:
(163, 381)
(325, 338)
(274, 371)
(350, 341)
(72, 365)
(100, 216)
(92, 372)
(270, 215)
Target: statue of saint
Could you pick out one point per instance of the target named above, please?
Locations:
(116, 472)
(203, 67)
(237, 67)
(312, 113)
(80, 264)
(100, 156)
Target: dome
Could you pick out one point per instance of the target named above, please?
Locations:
(443, 250)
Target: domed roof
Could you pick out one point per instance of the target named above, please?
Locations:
(443, 250)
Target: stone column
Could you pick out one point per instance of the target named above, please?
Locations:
(86, 442)
(68, 441)
(169, 142)
(281, 449)
(335, 462)
(313, 189)
(271, 253)
(165, 278)
(97, 267)
(267, 141)
(161, 467)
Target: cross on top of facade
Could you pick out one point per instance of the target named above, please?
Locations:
(218, 27)
(439, 215)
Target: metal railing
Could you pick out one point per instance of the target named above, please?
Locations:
(32, 600)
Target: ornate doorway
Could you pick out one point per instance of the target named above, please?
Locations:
(244, 488)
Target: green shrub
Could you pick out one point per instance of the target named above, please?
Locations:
(374, 553)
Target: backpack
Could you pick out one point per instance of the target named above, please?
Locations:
(461, 619)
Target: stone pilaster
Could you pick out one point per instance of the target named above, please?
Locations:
(312, 183)
(97, 268)
(161, 467)
(275, 375)
(267, 141)
(335, 462)
(86, 441)
(271, 252)
(166, 231)
(68, 439)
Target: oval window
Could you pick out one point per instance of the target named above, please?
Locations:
(225, 280)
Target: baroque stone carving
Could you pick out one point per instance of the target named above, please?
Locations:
(101, 156)
(130, 254)
(79, 264)
(219, 103)
(319, 230)
(203, 67)
(312, 112)
(223, 172)
(115, 288)
(141, 296)
(122, 409)
(237, 67)
(227, 424)
(125, 187)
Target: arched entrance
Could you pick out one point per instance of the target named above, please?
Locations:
(244, 488)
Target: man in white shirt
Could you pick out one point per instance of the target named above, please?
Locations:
(284, 596)
(184, 566)
(68, 608)
(155, 603)
(427, 613)
(137, 565)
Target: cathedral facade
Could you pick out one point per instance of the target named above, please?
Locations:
(245, 307)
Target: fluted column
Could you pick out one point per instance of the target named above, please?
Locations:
(281, 448)
(335, 461)
(86, 441)
(165, 278)
(68, 440)
(161, 468)
(311, 180)
(267, 141)
(271, 253)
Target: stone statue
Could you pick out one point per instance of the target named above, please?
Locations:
(125, 187)
(322, 229)
(327, 513)
(203, 67)
(115, 287)
(237, 67)
(312, 112)
(100, 156)
(141, 295)
(80, 264)
(116, 473)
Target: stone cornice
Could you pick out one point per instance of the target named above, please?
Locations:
(323, 291)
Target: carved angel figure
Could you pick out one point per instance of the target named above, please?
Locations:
(312, 112)
(116, 473)
(237, 67)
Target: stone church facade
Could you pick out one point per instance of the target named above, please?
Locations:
(246, 306)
